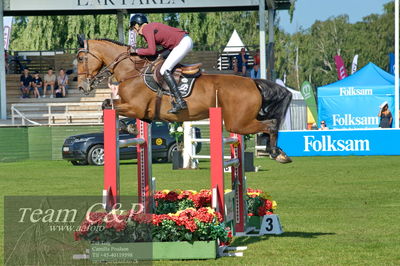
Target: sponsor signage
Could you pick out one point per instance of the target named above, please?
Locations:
(341, 70)
(351, 91)
(7, 23)
(340, 142)
(21, 5)
(352, 112)
(354, 102)
(308, 94)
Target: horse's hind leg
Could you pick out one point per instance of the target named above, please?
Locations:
(271, 147)
(276, 153)
(269, 127)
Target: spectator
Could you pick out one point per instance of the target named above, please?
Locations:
(241, 65)
(25, 83)
(58, 92)
(255, 71)
(323, 126)
(49, 80)
(37, 84)
(62, 82)
(385, 115)
(257, 58)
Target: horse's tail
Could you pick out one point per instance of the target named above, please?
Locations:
(275, 100)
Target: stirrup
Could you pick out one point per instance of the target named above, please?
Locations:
(176, 107)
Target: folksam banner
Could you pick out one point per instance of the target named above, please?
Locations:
(341, 70)
(7, 23)
(354, 64)
(354, 101)
(308, 94)
(340, 142)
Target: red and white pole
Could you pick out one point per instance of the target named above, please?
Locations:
(217, 160)
(111, 191)
(144, 173)
(238, 183)
(111, 159)
(217, 169)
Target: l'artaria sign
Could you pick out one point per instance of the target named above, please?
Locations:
(21, 5)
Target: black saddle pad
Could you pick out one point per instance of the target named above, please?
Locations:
(185, 84)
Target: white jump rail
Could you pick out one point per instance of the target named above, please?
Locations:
(130, 142)
(190, 158)
(51, 114)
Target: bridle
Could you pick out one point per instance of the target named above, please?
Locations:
(94, 80)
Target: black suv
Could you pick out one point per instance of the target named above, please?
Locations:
(89, 149)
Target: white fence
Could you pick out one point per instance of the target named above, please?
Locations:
(54, 112)
(190, 158)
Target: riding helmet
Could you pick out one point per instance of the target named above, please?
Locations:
(138, 19)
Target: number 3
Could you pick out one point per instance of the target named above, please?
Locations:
(270, 224)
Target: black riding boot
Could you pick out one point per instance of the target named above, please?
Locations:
(179, 103)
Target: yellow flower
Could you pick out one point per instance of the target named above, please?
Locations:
(210, 210)
(253, 193)
(274, 205)
(227, 190)
(165, 191)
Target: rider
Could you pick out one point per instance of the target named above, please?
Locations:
(173, 39)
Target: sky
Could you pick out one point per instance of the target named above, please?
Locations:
(308, 11)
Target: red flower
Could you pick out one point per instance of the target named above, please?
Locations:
(96, 217)
(159, 195)
(201, 199)
(172, 196)
(157, 219)
(204, 216)
(190, 225)
(268, 204)
(219, 217)
(120, 226)
(185, 194)
(249, 190)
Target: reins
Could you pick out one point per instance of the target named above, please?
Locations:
(95, 80)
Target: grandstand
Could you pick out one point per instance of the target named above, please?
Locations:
(76, 108)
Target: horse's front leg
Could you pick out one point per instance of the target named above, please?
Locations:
(110, 103)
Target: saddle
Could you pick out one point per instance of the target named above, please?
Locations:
(184, 75)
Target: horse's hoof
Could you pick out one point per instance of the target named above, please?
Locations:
(107, 104)
(283, 158)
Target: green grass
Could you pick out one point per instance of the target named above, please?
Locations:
(334, 210)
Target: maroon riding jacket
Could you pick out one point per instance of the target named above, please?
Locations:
(159, 34)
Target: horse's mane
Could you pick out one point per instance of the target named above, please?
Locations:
(112, 41)
(149, 57)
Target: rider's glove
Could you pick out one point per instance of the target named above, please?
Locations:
(133, 50)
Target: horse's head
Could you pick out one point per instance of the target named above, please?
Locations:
(88, 65)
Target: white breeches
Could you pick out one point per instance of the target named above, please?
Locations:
(177, 54)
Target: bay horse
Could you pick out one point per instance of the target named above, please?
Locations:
(248, 106)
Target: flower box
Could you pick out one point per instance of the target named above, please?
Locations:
(255, 221)
(153, 251)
